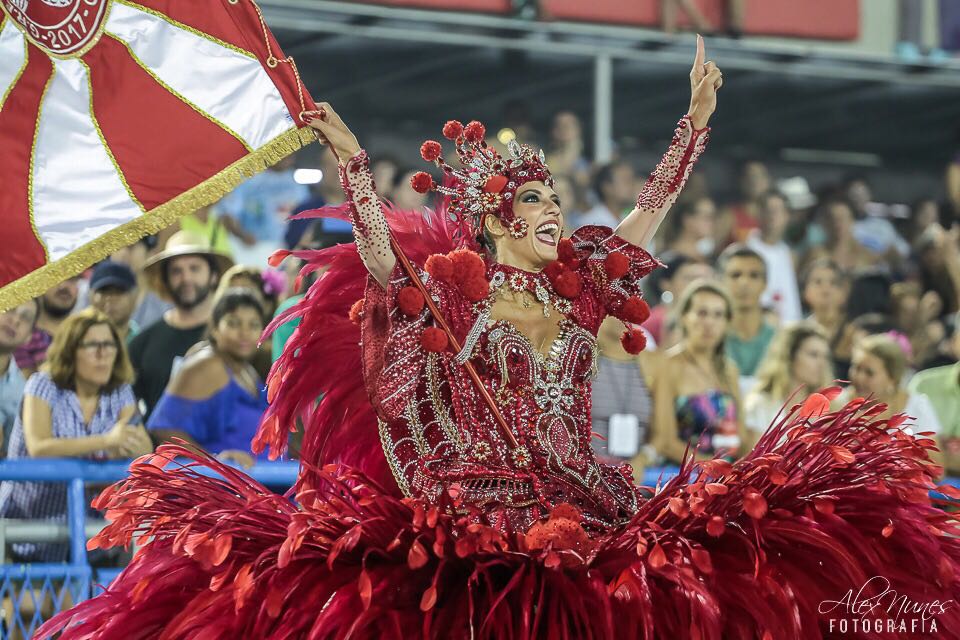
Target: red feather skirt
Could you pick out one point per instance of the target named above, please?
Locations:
(826, 529)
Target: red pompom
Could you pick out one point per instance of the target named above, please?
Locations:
(566, 510)
(434, 339)
(568, 284)
(421, 182)
(430, 150)
(453, 129)
(634, 310)
(554, 269)
(440, 267)
(467, 265)
(475, 131)
(410, 301)
(616, 265)
(565, 250)
(634, 341)
(475, 289)
(356, 311)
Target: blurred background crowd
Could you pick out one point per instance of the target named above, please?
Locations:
(789, 262)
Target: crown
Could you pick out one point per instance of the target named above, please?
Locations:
(485, 182)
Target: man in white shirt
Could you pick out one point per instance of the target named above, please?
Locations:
(782, 293)
(613, 188)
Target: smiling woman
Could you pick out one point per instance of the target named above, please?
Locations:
(80, 405)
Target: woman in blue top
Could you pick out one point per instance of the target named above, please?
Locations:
(216, 398)
(79, 405)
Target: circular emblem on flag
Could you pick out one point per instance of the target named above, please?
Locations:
(59, 27)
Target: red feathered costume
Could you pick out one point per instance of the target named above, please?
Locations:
(415, 517)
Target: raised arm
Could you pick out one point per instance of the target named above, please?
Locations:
(369, 224)
(689, 141)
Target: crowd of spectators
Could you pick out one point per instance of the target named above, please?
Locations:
(764, 297)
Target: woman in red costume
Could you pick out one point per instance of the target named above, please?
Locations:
(448, 489)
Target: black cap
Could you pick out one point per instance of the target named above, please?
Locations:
(112, 274)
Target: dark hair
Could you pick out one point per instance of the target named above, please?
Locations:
(767, 196)
(604, 176)
(869, 293)
(820, 263)
(738, 250)
(673, 261)
(873, 323)
(233, 299)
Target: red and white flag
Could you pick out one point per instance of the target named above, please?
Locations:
(117, 117)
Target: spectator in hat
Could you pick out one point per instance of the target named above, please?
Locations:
(186, 273)
(113, 291)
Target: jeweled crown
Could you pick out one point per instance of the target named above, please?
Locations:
(486, 182)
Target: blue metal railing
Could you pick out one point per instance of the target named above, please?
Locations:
(21, 583)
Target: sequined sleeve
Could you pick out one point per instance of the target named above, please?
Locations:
(594, 245)
(667, 180)
(369, 224)
(393, 354)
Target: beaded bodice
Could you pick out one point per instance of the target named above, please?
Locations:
(445, 434)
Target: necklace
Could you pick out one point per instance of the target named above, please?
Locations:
(522, 282)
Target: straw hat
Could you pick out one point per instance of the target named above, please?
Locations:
(182, 243)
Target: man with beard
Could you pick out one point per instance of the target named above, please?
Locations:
(55, 305)
(185, 273)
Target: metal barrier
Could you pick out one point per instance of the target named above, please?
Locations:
(30, 593)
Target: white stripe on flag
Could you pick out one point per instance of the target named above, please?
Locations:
(13, 54)
(229, 86)
(77, 193)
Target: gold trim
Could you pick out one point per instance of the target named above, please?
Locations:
(103, 141)
(180, 97)
(186, 27)
(35, 283)
(82, 51)
(19, 74)
(33, 155)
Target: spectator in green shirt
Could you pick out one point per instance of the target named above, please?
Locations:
(941, 385)
(744, 274)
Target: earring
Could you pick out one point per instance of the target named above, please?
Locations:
(518, 228)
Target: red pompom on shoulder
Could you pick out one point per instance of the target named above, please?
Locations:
(356, 311)
(568, 284)
(453, 129)
(616, 265)
(434, 340)
(422, 182)
(475, 131)
(410, 301)
(475, 289)
(565, 250)
(467, 265)
(430, 150)
(634, 310)
(634, 341)
(440, 267)
(554, 269)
